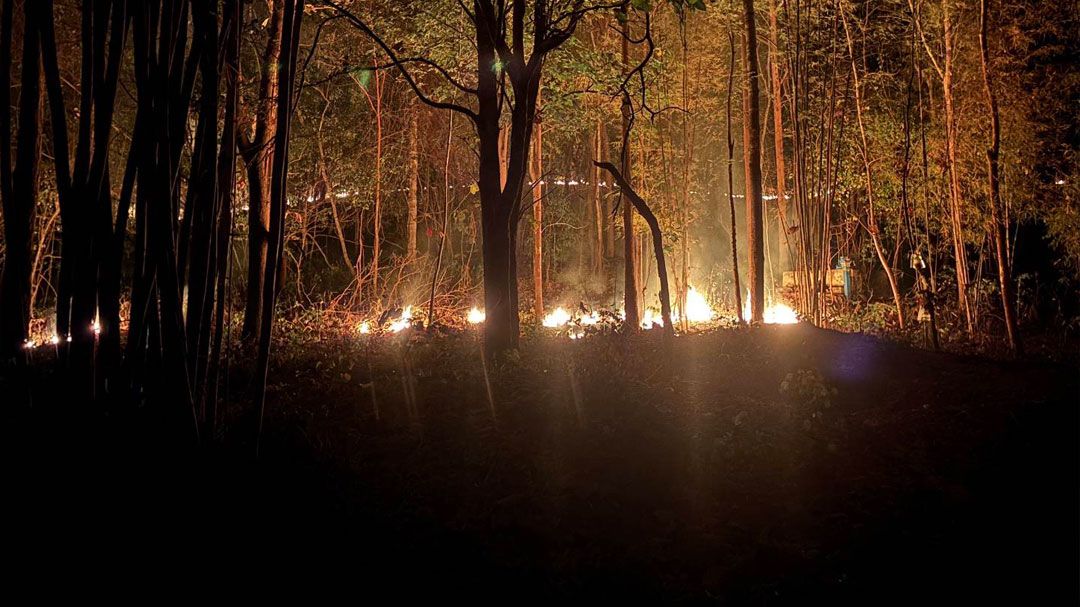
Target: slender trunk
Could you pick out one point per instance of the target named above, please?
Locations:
(631, 305)
(955, 198)
(233, 11)
(414, 180)
(778, 125)
(752, 164)
(998, 225)
(657, 237)
(290, 39)
(538, 221)
(595, 202)
(20, 202)
(376, 240)
(872, 228)
(684, 205)
(605, 198)
(731, 185)
(445, 221)
(258, 156)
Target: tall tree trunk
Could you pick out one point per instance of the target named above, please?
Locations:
(684, 204)
(202, 202)
(292, 15)
(414, 180)
(752, 164)
(596, 203)
(658, 241)
(605, 198)
(233, 18)
(258, 158)
(537, 175)
(731, 184)
(20, 202)
(631, 288)
(955, 197)
(444, 223)
(376, 242)
(778, 125)
(998, 225)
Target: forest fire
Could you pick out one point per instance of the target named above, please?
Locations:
(774, 313)
(557, 318)
(697, 309)
(780, 314)
(475, 316)
(403, 322)
(785, 297)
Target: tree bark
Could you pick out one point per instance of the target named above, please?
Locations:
(20, 203)
(537, 175)
(596, 202)
(778, 125)
(657, 238)
(414, 180)
(631, 288)
(258, 158)
(955, 197)
(752, 164)
(998, 225)
(731, 184)
(292, 15)
(872, 228)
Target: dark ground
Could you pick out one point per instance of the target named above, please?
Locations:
(781, 465)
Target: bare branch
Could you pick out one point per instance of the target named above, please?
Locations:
(362, 26)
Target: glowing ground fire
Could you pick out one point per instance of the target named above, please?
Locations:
(774, 314)
(698, 311)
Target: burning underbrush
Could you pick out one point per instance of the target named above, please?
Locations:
(574, 321)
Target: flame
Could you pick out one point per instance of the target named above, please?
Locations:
(55, 339)
(402, 323)
(774, 314)
(557, 318)
(697, 309)
(650, 317)
(591, 319)
(780, 314)
(476, 316)
(364, 328)
(96, 327)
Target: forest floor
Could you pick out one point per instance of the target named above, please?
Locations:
(783, 464)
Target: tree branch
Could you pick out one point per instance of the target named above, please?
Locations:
(362, 26)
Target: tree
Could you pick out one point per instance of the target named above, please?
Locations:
(872, 226)
(997, 223)
(507, 80)
(536, 174)
(19, 190)
(257, 154)
(752, 164)
(292, 17)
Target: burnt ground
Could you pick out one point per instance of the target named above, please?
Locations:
(779, 465)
